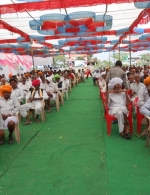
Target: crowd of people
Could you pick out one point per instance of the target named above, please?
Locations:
(123, 86)
(32, 90)
(37, 89)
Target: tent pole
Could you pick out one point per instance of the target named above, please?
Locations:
(33, 60)
(119, 51)
(130, 48)
(109, 58)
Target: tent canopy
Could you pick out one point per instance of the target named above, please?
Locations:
(51, 24)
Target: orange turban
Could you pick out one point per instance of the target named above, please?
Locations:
(40, 73)
(10, 75)
(5, 88)
(147, 81)
(26, 75)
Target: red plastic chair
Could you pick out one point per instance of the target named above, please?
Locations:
(110, 118)
(139, 116)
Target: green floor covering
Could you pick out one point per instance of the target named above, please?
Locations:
(71, 154)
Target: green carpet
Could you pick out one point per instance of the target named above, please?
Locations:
(64, 155)
(71, 154)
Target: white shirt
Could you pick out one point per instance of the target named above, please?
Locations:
(24, 87)
(45, 96)
(136, 87)
(97, 75)
(143, 96)
(10, 106)
(18, 92)
(117, 100)
(145, 109)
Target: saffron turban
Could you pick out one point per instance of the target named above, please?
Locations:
(26, 75)
(35, 82)
(10, 75)
(5, 88)
(115, 81)
(40, 73)
(147, 81)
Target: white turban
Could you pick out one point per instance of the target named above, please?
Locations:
(115, 81)
(49, 79)
(103, 73)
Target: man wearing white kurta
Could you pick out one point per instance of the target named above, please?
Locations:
(117, 100)
(35, 97)
(16, 92)
(9, 106)
(136, 86)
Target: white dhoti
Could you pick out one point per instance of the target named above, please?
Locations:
(4, 123)
(119, 112)
(35, 105)
(54, 96)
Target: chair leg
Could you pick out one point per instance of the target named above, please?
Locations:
(17, 133)
(108, 122)
(57, 104)
(139, 121)
(43, 115)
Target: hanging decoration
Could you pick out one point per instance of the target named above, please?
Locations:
(76, 23)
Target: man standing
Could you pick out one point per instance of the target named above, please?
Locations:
(96, 76)
(116, 72)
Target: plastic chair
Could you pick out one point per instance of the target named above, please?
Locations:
(17, 129)
(139, 116)
(42, 113)
(110, 118)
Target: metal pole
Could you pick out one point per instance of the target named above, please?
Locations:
(32, 59)
(109, 58)
(130, 49)
(119, 51)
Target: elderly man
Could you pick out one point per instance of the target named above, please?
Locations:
(117, 71)
(9, 106)
(135, 87)
(102, 82)
(17, 92)
(35, 98)
(144, 101)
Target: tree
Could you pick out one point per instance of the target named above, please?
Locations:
(123, 56)
(145, 58)
(60, 59)
(80, 58)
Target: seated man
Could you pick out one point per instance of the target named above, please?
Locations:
(130, 80)
(102, 82)
(17, 92)
(24, 85)
(143, 97)
(135, 87)
(9, 106)
(117, 100)
(35, 98)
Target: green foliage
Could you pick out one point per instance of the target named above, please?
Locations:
(123, 56)
(80, 58)
(144, 58)
(59, 60)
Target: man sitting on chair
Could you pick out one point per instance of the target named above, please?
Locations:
(9, 106)
(35, 98)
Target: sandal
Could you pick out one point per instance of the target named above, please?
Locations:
(124, 136)
(128, 135)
